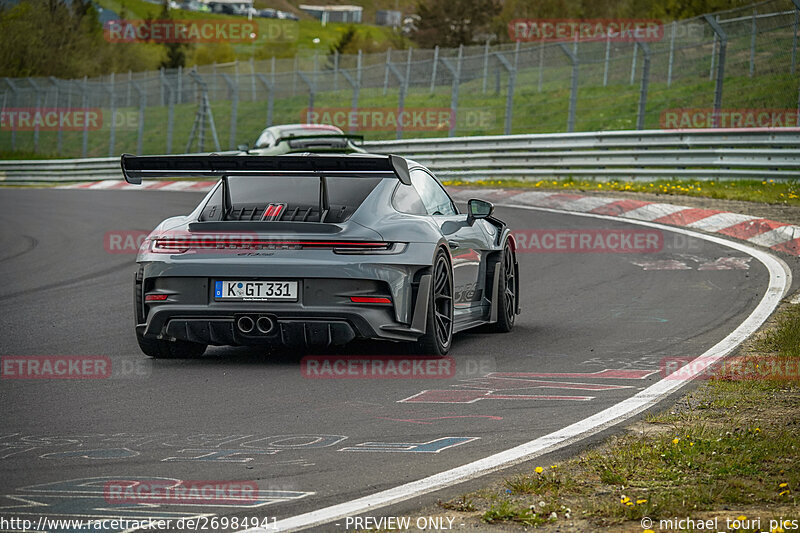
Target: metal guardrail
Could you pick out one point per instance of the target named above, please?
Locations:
(647, 154)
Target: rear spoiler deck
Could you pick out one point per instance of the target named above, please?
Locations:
(135, 168)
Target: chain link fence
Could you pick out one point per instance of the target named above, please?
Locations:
(722, 70)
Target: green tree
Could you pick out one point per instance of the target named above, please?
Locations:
(454, 22)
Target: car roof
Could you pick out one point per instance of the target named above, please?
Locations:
(284, 129)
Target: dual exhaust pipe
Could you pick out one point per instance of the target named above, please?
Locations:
(261, 324)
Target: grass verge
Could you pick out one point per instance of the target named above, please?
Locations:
(728, 450)
(764, 191)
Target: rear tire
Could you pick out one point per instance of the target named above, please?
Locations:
(161, 349)
(439, 325)
(507, 303)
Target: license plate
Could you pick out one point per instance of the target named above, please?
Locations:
(256, 291)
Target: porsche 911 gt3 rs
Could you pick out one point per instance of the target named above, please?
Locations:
(318, 250)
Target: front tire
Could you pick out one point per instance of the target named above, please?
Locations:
(439, 326)
(161, 349)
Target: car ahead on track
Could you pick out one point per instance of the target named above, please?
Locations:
(318, 250)
(301, 138)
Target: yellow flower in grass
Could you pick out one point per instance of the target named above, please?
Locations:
(783, 485)
(648, 531)
(783, 493)
(776, 529)
(676, 440)
(741, 518)
(628, 503)
(625, 500)
(640, 501)
(539, 470)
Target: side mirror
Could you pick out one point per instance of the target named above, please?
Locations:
(478, 209)
(243, 147)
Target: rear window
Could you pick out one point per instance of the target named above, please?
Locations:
(299, 197)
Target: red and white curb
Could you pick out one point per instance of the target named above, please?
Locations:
(118, 185)
(778, 236)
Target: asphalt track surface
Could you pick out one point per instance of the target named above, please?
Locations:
(245, 414)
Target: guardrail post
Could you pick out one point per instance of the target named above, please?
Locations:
(233, 90)
(573, 94)
(671, 54)
(723, 45)
(35, 87)
(644, 85)
(270, 96)
(794, 35)
(170, 109)
(434, 67)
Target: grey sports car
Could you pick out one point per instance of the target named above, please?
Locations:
(318, 250)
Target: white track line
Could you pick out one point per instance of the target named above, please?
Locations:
(780, 280)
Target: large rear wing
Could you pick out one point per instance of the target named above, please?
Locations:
(136, 168)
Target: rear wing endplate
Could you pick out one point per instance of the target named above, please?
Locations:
(135, 168)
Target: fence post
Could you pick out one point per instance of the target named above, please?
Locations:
(401, 98)
(312, 89)
(60, 133)
(113, 133)
(386, 71)
(170, 109)
(128, 99)
(336, 70)
(671, 55)
(723, 45)
(605, 64)
(140, 133)
(234, 93)
(85, 104)
(713, 50)
(485, 64)
(252, 79)
(573, 94)
(294, 75)
(541, 63)
(272, 69)
(512, 79)
(35, 87)
(644, 85)
(794, 36)
(434, 67)
(753, 42)
(454, 92)
(16, 104)
(633, 63)
(270, 96)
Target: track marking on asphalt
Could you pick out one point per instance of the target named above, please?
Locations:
(779, 283)
(434, 419)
